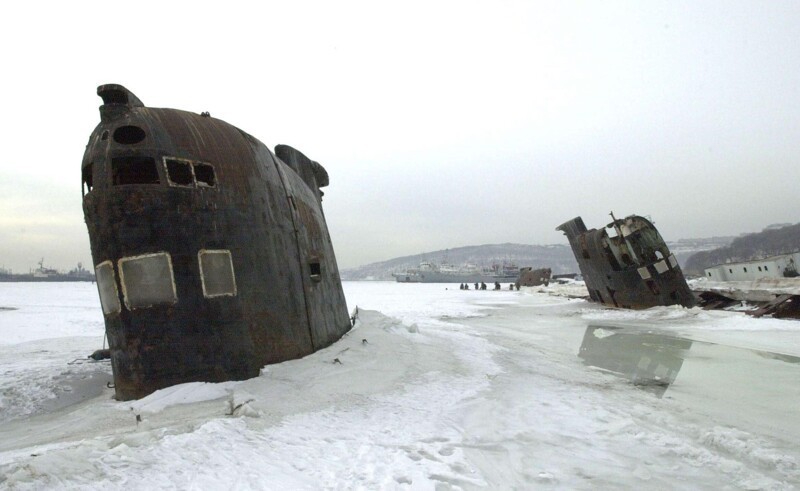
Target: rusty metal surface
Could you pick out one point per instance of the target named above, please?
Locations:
(267, 213)
(762, 303)
(782, 307)
(632, 268)
(533, 277)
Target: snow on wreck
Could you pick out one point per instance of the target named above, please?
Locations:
(631, 269)
(212, 254)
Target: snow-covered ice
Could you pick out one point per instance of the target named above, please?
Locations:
(435, 388)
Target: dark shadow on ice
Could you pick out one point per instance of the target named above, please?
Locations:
(75, 387)
(778, 356)
(650, 361)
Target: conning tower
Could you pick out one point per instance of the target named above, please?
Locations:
(632, 268)
(212, 254)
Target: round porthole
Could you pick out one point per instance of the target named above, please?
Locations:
(128, 135)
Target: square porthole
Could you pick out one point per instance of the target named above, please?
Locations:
(179, 172)
(315, 269)
(188, 173)
(204, 175)
(133, 170)
(216, 273)
(107, 287)
(147, 280)
(87, 178)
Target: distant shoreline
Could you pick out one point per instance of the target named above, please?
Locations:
(26, 278)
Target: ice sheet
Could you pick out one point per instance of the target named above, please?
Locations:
(443, 389)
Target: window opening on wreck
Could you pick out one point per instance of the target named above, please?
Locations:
(709, 273)
(147, 280)
(216, 273)
(745, 270)
(315, 269)
(759, 268)
(107, 287)
(182, 172)
(584, 249)
(128, 135)
(134, 170)
(204, 174)
(611, 251)
(766, 268)
(86, 177)
(730, 270)
(104, 135)
(179, 172)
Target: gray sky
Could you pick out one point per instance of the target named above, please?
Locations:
(441, 124)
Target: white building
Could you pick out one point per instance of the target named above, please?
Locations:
(770, 267)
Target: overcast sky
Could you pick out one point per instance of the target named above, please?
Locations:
(441, 124)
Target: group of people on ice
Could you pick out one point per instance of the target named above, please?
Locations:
(482, 286)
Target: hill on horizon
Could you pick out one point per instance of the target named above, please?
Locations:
(557, 257)
(772, 241)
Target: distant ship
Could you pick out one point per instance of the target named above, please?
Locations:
(43, 273)
(429, 272)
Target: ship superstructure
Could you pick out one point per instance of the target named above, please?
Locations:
(629, 268)
(430, 272)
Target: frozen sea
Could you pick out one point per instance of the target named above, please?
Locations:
(435, 388)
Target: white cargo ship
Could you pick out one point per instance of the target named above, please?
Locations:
(429, 272)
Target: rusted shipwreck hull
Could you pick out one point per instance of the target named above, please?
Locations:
(631, 269)
(212, 254)
(533, 277)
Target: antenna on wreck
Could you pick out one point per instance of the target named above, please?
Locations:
(616, 225)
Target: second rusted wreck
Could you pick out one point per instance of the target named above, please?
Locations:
(632, 268)
(533, 277)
